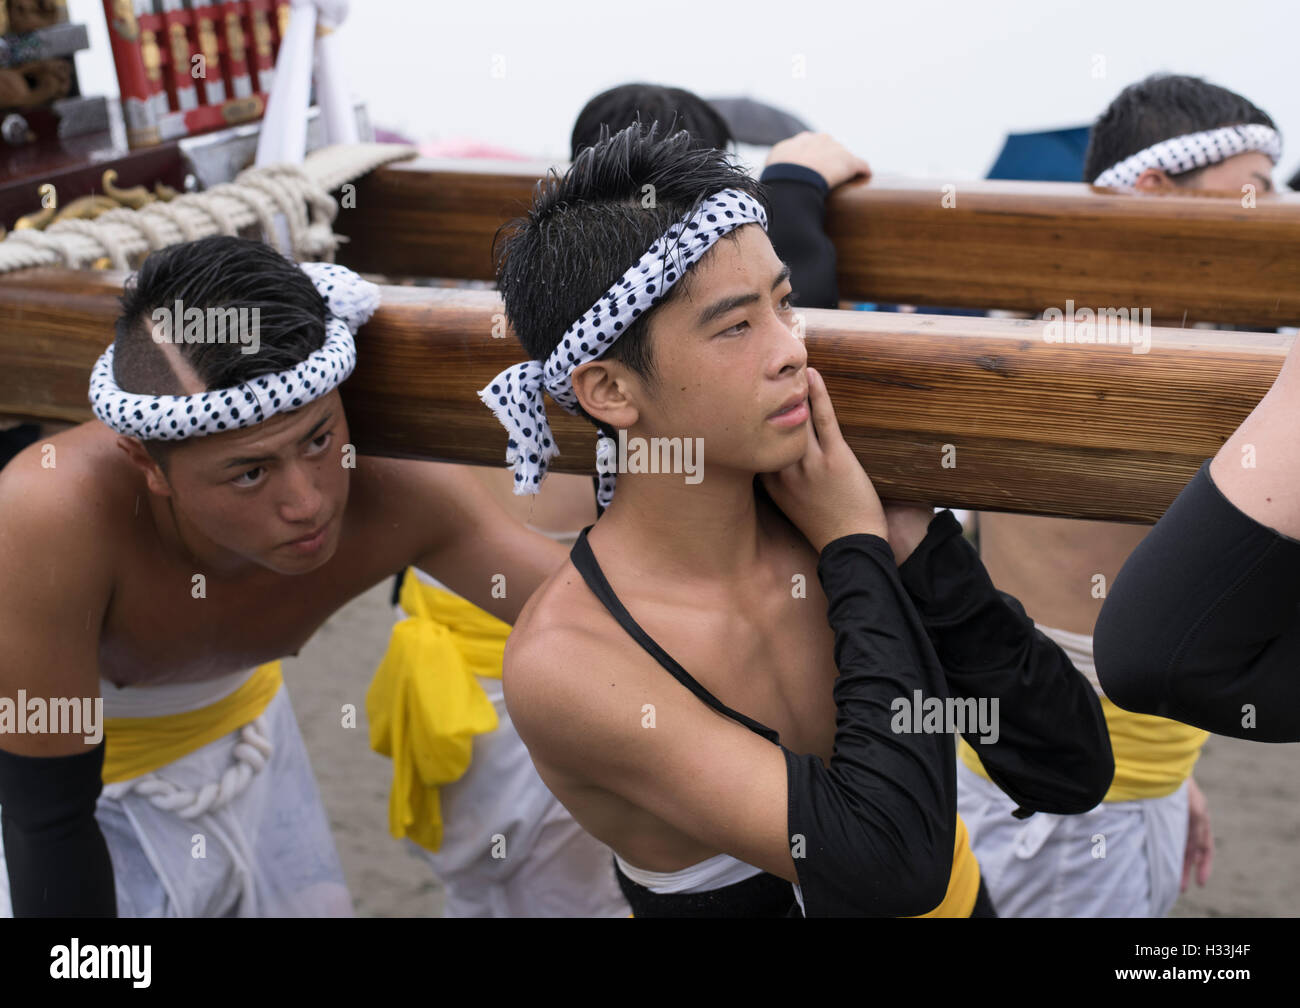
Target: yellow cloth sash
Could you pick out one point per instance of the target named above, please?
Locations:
(964, 883)
(134, 746)
(425, 705)
(1153, 756)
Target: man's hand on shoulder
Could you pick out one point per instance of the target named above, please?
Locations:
(908, 525)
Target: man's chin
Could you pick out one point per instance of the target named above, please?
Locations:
(787, 454)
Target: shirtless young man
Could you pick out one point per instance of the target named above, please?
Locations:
(770, 755)
(1155, 820)
(157, 573)
(555, 867)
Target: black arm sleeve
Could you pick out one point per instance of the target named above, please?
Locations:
(1202, 624)
(878, 826)
(797, 196)
(57, 858)
(1052, 750)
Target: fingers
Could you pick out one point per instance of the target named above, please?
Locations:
(1205, 862)
(1200, 852)
(825, 425)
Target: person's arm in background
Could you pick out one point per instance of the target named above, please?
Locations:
(799, 175)
(1258, 468)
(1054, 753)
(1202, 624)
(1050, 749)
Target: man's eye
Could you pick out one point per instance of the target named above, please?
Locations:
(787, 302)
(239, 480)
(734, 330)
(319, 444)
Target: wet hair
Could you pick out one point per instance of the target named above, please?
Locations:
(1161, 107)
(589, 226)
(217, 272)
(675, 108)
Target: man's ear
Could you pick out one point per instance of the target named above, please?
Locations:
(142, 460)
(1155, 180)
(605, 390)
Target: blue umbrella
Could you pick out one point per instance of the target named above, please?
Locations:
(1050, 156)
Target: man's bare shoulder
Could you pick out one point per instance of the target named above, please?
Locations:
(562, 644)
(78, 480)
(67, 513)
(562, 616)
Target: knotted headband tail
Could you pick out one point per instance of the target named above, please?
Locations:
(1194, 150)
(515, 395)
(347, 297)
(349, 303)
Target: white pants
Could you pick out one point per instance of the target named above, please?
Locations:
(263, 849)
(1122, 859)
(509, 848)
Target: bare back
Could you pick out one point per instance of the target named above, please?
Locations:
(1052, 564)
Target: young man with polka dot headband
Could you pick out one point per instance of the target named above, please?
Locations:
(737, 753)
(158, 561)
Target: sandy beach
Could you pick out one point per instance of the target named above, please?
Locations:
(1253, 790)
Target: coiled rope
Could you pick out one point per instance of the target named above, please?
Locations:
(300, 193)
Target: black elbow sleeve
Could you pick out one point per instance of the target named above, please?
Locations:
(57, 859)
(1202, 624)
(1049, 748)
(880, 856)
(873, 834)
(797, 196)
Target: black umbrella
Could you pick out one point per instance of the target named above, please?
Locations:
(753, 122)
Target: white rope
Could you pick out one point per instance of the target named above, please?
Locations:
(251, 753)
(300, 192)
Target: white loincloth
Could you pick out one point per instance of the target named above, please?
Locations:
(717, 872)
(247, 836)
(551, 867)
(1048, 865)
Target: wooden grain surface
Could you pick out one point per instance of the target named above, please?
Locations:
(1021, 246)
(1072, 430)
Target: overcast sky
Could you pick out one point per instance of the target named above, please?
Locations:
(925, 87)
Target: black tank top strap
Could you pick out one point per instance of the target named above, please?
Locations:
(585, 561)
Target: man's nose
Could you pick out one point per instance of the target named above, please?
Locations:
(301, 498)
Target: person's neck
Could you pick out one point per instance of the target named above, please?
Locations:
(709, 530)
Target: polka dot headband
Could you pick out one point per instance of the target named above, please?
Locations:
(515, 395)
(349, 303)
(1194, 150)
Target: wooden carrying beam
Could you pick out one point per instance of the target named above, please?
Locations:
(1022, 246)
(978, 413)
